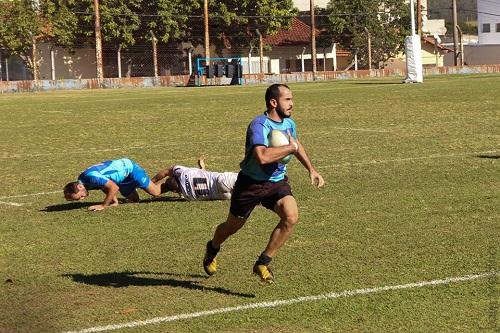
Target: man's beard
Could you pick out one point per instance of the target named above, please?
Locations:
(281, 112)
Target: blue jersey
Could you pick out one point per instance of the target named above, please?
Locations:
(124, 172)
(257, 135)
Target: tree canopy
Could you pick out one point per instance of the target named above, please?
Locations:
(124, 23)
(387, 22)
(25, 22)
(238, 22)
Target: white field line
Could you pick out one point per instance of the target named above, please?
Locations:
(154, 145)
(90, 150)
(319, 167)
(362, 129)
(94, 150)
(272, 304)
(29, 195)
(406, 159)
(11, 203)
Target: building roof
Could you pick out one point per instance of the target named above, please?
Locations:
(432, 41)
(299, 34)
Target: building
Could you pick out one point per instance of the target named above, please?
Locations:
(487, 49)
(305, 5)
(488, 22)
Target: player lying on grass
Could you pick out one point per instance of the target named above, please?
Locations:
(197, 184)
(113, 176)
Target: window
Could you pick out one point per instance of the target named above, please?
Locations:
(498, 27)
(486, 27)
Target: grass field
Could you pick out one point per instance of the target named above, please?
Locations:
(412, 196)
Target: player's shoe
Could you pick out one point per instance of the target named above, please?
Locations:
(264, 272)
(209, 261)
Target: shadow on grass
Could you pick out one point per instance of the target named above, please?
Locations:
(80, 204)
(68, 206)
(126, 279)
(163, 199)
(491, 157)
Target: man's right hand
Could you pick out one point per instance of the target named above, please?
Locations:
(293, 142)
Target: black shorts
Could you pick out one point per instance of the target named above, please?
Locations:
(248, 193)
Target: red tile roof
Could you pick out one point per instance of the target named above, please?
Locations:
(432, 41)
(299, 33)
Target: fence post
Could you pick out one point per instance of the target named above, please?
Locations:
(302, 62)
(155, 58)
(1, 76)
(52, 63)
(190, 60)
(7, 69)
(119, 59)
(334, 55)
(250, 60)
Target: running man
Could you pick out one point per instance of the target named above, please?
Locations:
(113, 176)
(263, 180)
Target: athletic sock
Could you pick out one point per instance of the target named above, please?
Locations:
(211, 249)
(264, 260)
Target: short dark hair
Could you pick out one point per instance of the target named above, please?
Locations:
(273, 92)
(71, 188)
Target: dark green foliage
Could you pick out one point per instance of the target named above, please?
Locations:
(387, 21)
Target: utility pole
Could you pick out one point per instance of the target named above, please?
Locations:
(34, 57)
(261, 51)
(98, 43)
(455, 33)
(207, 42)
(154, 41)
(369, 37)
(412, 15)
(419, 18)
(313, 37)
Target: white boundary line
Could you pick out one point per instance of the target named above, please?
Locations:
(11, 203)
(271, 304)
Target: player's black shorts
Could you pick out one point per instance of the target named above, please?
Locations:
(248, 193)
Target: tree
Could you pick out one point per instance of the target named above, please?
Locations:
(120, 20)
(387, 21)
(60, 22)
(169, 19)
(20, 27)
(24, 23)
(234, 23)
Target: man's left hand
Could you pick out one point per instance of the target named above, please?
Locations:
(316, 179)
(96, 208)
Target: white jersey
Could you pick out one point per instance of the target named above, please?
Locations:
(199, 184)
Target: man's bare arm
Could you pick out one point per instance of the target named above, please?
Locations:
(163, 174)
(110, 189)
(316, 178)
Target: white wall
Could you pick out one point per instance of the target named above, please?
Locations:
(80, 64)
(304, 5)
(485, 8)
(477, 55)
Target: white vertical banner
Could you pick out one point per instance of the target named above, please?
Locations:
(414, 71)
